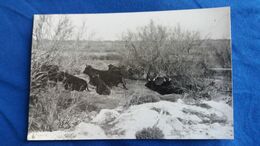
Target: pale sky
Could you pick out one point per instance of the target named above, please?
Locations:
(214, 22)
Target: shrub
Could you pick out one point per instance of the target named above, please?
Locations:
(56, 108)
(43, 112)
(209, 90)
(150, 133)
(137, 99)
(71, 118)
(51, 107)
(163, 50)
(166, 51)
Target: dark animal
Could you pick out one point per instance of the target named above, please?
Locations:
(113, 68)
(43, 75)
(71, 82)
(163, 85)
(49, 68)
(101, 87)
(49, 72)
(110, 77)
(118, 70)
(121, 68)
(135, 73)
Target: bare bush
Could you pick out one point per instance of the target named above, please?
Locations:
(45, 49)
(138, 98)
(57, 108)
(150, 133)
(162, 50)
(47, 43)
(81, 42)
(43, 113)
(50, 106)
(144, 47)
(223, 54)
(48, 37)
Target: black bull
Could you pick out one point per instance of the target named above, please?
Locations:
(110, 77)
(101, 87)
(71, 82)
(163, 85)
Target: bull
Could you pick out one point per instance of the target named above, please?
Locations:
(110, 77)
(101, 87)
(71, 82)
(163, 85)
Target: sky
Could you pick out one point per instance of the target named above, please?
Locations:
(213, 23)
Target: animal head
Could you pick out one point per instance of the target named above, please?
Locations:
(95, 76)
(111, 67)
(151, 77)
(122, 69)
(114, 68)
(88, 70)
(159, 81)
(49, 68)
(60, 76)
(96, 79)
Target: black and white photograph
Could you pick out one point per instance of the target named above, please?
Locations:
(134, 75)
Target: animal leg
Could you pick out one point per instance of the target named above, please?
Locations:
(87, 88)
(124, 84)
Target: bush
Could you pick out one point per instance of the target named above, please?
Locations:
(150, 133)
(162, 49)
(51, 107)
(209, 89)
(70, 119)
(137, 99)
(56, 108)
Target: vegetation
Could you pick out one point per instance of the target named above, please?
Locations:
(137, 99)
(151, 49)
(150, 133)
(160, 49)
(50, 105)
(157, 50)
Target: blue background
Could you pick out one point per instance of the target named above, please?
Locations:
(15, 44)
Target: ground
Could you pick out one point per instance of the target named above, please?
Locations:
(177, 119)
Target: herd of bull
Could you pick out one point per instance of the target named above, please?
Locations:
(103, 80)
